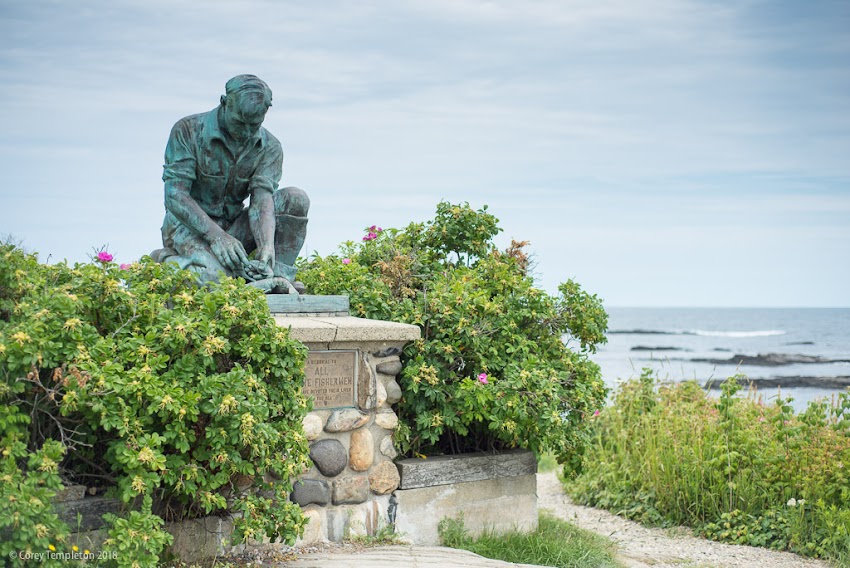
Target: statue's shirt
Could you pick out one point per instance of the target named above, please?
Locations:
(222, 175)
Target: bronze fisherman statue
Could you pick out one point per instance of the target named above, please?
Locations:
(214, 161)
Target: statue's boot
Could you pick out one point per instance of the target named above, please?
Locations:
(290, 232)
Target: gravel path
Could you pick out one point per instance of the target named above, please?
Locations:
(641, 547)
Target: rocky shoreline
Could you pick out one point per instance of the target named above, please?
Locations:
(791, 382)
(770, 360)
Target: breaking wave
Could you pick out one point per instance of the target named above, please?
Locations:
(763, 333)
(700, 332)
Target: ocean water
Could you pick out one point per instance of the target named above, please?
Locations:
(672, 341)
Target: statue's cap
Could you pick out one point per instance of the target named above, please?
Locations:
(246, 84)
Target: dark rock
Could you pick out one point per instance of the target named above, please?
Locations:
(85, 514)
(791, 382)
(646, 348)
(388, 352)
(389, 367)
(639, 332)
(309, 491)
(70, 493)
(329, 456)
(770, 360)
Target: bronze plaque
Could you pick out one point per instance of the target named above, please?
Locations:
(331, 378)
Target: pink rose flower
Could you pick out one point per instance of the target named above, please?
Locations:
(346, 261)
(370, 237)
(596, 413)
(482, 378)
(104, 256)
(125, 267)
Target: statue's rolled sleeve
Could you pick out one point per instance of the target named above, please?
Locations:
(180, 159)
(269, 170)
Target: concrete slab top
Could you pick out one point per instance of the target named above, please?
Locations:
(310, 329)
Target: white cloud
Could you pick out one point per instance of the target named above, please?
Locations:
(593, 123)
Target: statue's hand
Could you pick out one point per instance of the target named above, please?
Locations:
(229, 252)
(257, 270)
(266, 255)
(276, 285)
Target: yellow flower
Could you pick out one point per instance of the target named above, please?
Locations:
(51, 547)
(72, 323)
(21, 337)
(213, 344)
(146, 455)
(138, 484)
(74, 548)
(247, 427)
(429, 374)
(185, 298)
(47, 464)
(228, 404)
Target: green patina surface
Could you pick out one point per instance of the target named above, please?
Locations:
(214, 162)
(292, 304)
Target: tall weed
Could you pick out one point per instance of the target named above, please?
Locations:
(736, 469)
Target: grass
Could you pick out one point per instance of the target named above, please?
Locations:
(385, 535)
(555, 543)
(734, 469)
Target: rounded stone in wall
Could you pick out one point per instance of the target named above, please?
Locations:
(391, 367)
(393, 392)
(345, 420)
(313, 426)
(388, 448)
(362, 451)
(384, 478)
(351, 490)
(387, 419)
(329, 456)
(313, 532)
(307, 491)
(381, 394)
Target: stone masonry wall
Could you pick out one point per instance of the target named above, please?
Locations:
(347, 491)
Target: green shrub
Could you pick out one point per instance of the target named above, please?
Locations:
(181, 400)
(733, 468)
(492, 369)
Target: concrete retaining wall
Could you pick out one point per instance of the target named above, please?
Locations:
(495, 492)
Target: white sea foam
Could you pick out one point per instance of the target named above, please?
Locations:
(762, 333)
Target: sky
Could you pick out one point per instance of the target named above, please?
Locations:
(659, 152)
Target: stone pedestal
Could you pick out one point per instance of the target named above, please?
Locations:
(347, 491)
